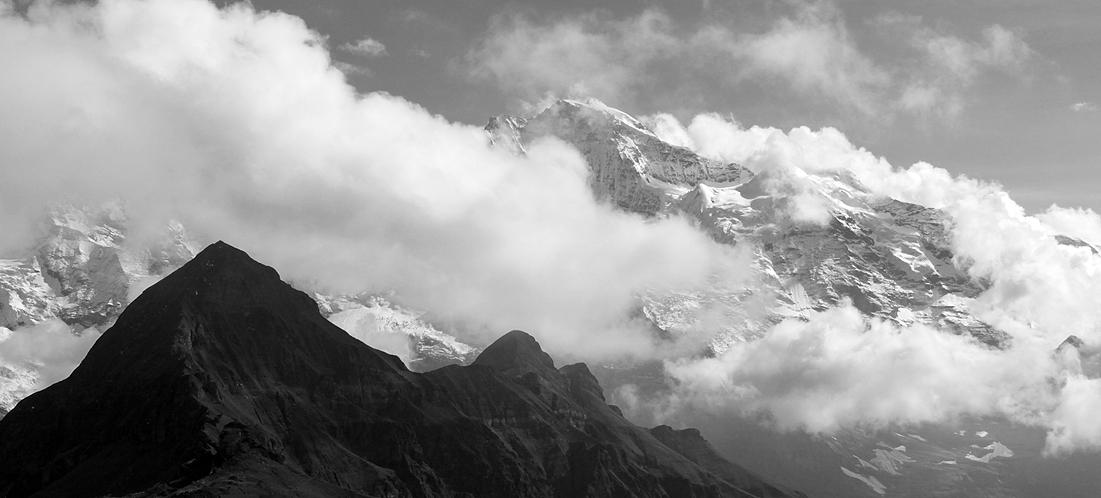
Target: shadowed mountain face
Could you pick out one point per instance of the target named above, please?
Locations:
(221, 379)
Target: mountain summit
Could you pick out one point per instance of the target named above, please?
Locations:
(223, 379)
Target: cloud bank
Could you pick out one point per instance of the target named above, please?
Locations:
(236, 123)
(809, 49)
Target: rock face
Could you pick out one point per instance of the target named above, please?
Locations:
(223, 380)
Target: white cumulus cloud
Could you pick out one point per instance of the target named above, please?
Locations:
(237, 123)
(367, 47)
(809, 50)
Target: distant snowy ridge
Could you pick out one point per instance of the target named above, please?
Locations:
(890, 258)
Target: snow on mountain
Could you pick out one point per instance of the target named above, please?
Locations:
(82, 268)
(890, 258)
(377, 322)
(818, 240)
(25, 298)
(629, 165)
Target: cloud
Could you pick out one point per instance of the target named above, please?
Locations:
(950, 65)
(1084, 224)
(1074, 423)
(366, 47)
(364, 323)
(814, 52)
(1034, 280)
(349, 69)
(38, 356)
(840, 369)
(586, 55)
(237, 123)
(1083, 107)
(808, 49)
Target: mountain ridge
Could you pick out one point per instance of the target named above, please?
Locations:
(222, 379)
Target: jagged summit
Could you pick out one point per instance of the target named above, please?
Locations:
(516, 352)
(223, 380)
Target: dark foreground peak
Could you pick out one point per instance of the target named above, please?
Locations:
(223, 380)
(516, 352)
(221, 257)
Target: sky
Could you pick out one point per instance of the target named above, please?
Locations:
(1003, 91)
(343, 146)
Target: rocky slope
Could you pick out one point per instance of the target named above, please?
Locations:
(223, 380)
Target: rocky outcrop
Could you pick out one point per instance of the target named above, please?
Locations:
(221, 379)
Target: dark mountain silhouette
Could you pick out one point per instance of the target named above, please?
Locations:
(223, 380)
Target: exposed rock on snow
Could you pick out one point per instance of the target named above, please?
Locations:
(891, 259)
(82, 268)
(629, 165)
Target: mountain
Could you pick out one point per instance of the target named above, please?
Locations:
(890, 258)
(87, 265)
(221, 379)
(82, 268)
(629, 166)
(81, 271)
